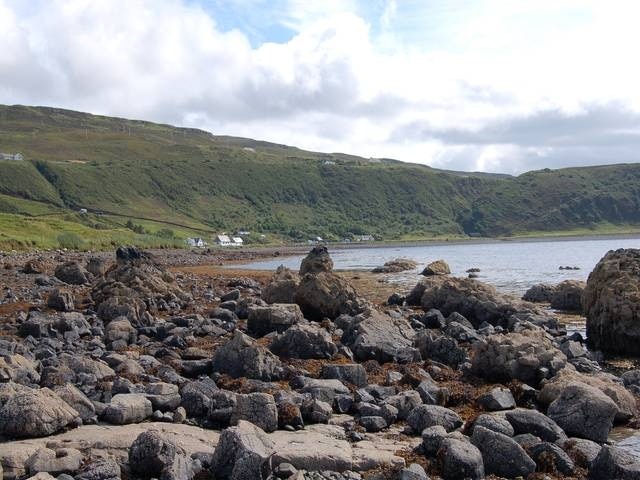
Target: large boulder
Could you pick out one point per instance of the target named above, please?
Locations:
(35, 413)
(376, 336)
(612, 303)
(274, 318)
(77, 400)
(536, 423)
(72, 273)
(460, 459)
(326, 294)
(502, 455)
(126, 408)
(305, 341)
(152, 455)
(529, 356)
(568, 296)
(424, 416)
(623, 399)
(435, 345)
(282, 286)
(615, 463)
(540, 293)
(476, 301)
(583, 411)
(243, 357)
(258, 408)
(438, 267)
(18, 369)
(242, 453)
(61, 300)
(317, 260)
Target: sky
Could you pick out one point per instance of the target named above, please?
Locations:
(478, 85)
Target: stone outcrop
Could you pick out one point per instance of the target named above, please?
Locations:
(317, 260)
(326, 295)
(612, 303)
(72, 273)
(568, 296)
(305, 341)
(276, 317)
(396, 265)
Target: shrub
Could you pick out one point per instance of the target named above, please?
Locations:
(71, 241)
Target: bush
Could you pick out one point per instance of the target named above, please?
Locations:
(71, 241)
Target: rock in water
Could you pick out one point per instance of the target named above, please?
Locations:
(396, 265)
(612, 303)
(317, 261)
(439, 267)
(35, 413)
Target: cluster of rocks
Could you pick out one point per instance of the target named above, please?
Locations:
(302, 379)
(396, 265)
(565, 296)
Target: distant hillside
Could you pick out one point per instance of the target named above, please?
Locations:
(135, 172)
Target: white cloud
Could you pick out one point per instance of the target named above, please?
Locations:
(352, 78)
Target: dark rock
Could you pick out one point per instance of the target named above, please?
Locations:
(352, 373)
(72, 273)
(282, 286)
(536, 423)
(372, 423)
(460, 459)
(615, 463)
(326, 294)
(274, 318)
(551, 458)
(438, 267)
(495, 423)
(242, 357)
(568, 296)
(424, 416)
(501, 454)
(317, 260)
(258, 408)
(196, 397)
(305, 341)
(497, 399)
(61, 300)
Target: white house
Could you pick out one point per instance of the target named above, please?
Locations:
(364, 238)
(10, 156)
(223, 240)
(196, 242)
(237, 241)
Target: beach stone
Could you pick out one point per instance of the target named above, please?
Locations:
(126, 408)
(77, 400)
(413, 472)
(528, 356)
(494, 422)
(242, 453)
(282, 287)
(435, 345)
(35, 413)
(163, 396)
(531, 421)
(550, 457)
(72, 273)
(460, 459)
(615, 463)
(404, 402)
(352, 373)
(196, 397)
(305, 341)
(318, 388)
(317, 260)
(424, 416)
(396, 265)
(372, 423)
(438, 267)
(612, 303)
(100, 469)
(376, 336)
(582, 450)
(55, 462)
(567, 296)
(497, 399)
(326, 295)
(243, 357)
(152, 455)
(61, 300)
(17, 368)
(502, 456)
(583, 411)
(607, 384)
(276, 317)
(540, 293)
(258, 408)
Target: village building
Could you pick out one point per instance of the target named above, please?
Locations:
(196, 242)
(11, 156)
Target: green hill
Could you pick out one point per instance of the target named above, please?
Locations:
(133, 176)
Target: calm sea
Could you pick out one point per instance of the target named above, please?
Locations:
(511, 266)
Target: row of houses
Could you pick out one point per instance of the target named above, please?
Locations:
(222, 240)
(11, 156)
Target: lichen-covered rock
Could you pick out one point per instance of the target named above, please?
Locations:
(529, 356)
(126, 408)
(243, 357)
(72, 273)
(258, 408)
(424, 416)
(612, 303)
(35, 413)
(435, 345)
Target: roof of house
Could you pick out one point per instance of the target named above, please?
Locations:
(237, 240)
(223, 238)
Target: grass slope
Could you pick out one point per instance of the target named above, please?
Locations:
(206, 183)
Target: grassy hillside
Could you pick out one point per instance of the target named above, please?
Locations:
(130, 173)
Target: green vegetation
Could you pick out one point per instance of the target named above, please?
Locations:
(155, 185)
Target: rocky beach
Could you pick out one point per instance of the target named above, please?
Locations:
(163, 364)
